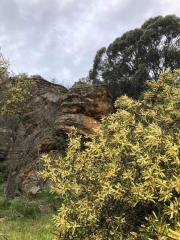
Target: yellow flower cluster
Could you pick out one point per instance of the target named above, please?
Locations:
(18, 90)
(124, 182)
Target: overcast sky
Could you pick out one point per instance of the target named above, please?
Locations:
(59, 38)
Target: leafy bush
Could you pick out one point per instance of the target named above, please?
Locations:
(17, 92)
(24, 208)
(124, 184)
(17, 89)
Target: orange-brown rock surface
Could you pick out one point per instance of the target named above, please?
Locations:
(48, 117)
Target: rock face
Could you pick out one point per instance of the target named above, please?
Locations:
(83, 106)
(48, 117)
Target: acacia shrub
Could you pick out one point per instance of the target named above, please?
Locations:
(17, 91)
(124, 183)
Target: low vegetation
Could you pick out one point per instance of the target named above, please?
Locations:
(31, 229)
(22, 218)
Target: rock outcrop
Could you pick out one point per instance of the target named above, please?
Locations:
(48, 117)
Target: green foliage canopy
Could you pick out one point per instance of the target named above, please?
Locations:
(139, 55)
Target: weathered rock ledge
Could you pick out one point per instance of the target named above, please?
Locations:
(48, 117)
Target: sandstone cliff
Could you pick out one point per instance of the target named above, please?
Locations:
(48, 117)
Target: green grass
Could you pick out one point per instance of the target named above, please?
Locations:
(24, 228)
(22, 219)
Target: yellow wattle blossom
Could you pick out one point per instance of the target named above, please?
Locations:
(124, 182)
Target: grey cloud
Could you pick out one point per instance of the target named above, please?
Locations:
(59, 38)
